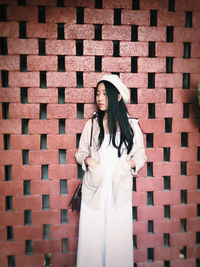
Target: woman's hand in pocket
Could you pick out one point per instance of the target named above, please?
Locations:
(92, 163)
(131, 163)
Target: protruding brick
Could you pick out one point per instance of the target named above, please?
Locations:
(110, 32)
(60, 47)
(98, 16)
(10, 63)
(47, 63)
(75, 31)
(103, 48)
(135, 17)
(116, 64)
(29, 111)
(61, 15)
(133, 49)
(61, 79)
(28, 46)
(151, 33)
(76, 63)
(24, 79)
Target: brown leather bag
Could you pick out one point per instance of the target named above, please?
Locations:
(76, 199)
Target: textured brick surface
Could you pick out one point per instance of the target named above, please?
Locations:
(46, 100)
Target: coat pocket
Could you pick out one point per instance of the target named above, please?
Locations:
(93, 177)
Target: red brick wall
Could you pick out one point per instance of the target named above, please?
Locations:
(52, 53)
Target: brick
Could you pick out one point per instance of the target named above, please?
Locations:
(9, 157)
(195, 19)
(140, 255)
(49, 95)
(166, 198)
(45, 187)
(61, 141)
(12, 248)
(168, 80)
(22, 13)
(185, 263)
(117, 4)
(15, 187)
(146, 241)
(43, 127)
(43, 157)
(167, 226)
(74, 126)
(166, 253)
(103, 48)
(193, 225)
(43, 246)
(182, 239)
(70, 156)
(151, 95)
(89, 109)
(185, 5)
(10, 126)
(111, 32)
(186, 35)
(176, 19)
(183, 96)
(180, 182)
(11, 218)
(159, 5)
(30, 260)
(139, 227)
(60, 47)
(193, 197)
(134, 79)
(168, 49)
(150, 213)
(139, 199)
(151, 33)
(186, 65)
(183, 154)
(45, 217)
(20, 172)
(9, 29)
(28, 46)
(151, 64)
(10, 63)
(55, 111)
(80, 3)
(1, 141)
(59, 201)
(149, 184)
(10, 95)
(158, 125)
(25, 142)
(58, 231)
(135, 17)
(155, 154)
(193, 139)
(76, 63)
(18, 110)
(169, 110)
(3, 234)
(194, 78)
(138, 111)
(134, 49)
(116, 64)
(91, 79)
(98, 16)
(61, 15)
(85, 95)
(166, 168)
(61, 79)
(27, 202)
(24, 79)
(41, 30)
(184, 125)
(67, 171)
(186, 211)
(194, 110)
(48, 63)
(75, 31)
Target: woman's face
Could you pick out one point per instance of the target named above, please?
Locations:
(101, 97)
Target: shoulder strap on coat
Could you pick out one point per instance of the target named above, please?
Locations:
(94, 116)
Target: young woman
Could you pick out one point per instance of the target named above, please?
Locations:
(111, 150)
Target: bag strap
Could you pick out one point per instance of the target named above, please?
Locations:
(94, 116)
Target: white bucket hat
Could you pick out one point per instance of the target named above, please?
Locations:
(115, 80)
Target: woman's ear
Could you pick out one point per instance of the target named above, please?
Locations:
(119, 97)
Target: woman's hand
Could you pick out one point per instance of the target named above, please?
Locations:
(90, 162)
(131, 163)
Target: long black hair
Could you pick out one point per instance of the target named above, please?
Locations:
(117, 114)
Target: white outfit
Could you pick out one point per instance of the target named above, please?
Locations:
(105, 235)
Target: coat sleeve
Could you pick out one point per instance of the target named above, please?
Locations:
(137, 153)
(84, 145)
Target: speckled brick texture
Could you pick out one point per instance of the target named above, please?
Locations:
(52, 54)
